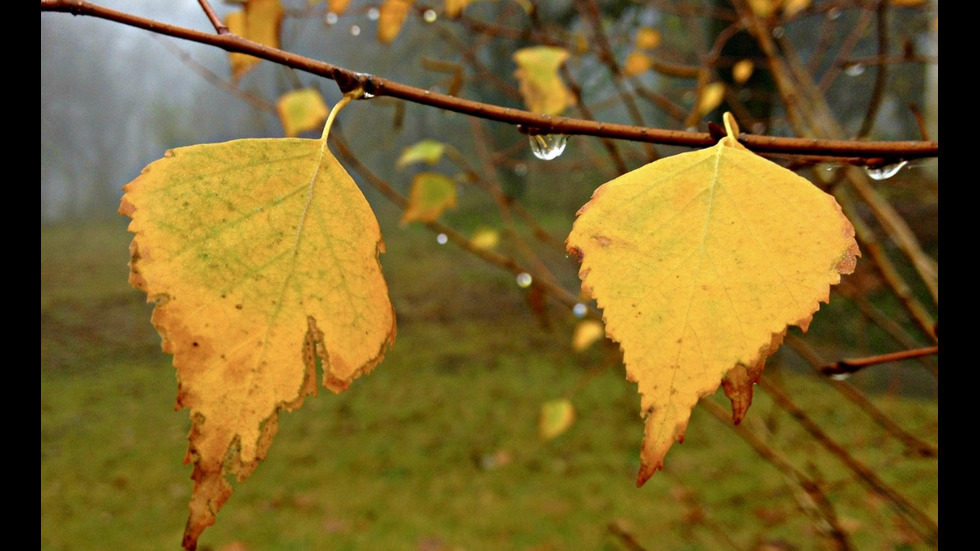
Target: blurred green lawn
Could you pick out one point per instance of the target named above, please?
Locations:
(438, 448)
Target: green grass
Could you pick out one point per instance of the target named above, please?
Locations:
(437, 449)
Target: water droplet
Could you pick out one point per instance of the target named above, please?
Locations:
(373, 14)
(524, 279)
(579, 310)
(330, 18)
(430, 16)
(833, 14)
(520, 169)
(884, 172)
(355, 30)
(547, 146)
(778, 32)
(442, 239)
(840, 376)
(854, 69)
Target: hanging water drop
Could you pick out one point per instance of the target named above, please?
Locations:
(840, 376)
(524, 280)
(330, 18)
(430, 16)
(579, 310)
(355, 30)
(373, 14)
(854, 69)
(547, 146)
(884, 172)
(442, 239)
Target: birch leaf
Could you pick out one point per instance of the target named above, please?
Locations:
(537, 70)
(700, 261)
(260, 22)
(262, 258)
(431, 194)
(301, 111)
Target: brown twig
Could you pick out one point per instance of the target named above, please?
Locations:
(853, 365)
(219, 25)
(377, 86)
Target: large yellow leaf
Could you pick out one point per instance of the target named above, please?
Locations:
(262, 257)
(700, 261)
(540, 85)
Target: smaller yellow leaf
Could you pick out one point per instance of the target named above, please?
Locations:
(259, 22)
(391, 17)
(337, 6)
(431, 194)
(636, 63)
(586, 333)
(764, 8)
(556, 417)
(485, 238)
(711, 97)
(537, 70)
(793, 7)
(742, 71)
(647, 38)
(301, 111)
(428, 151)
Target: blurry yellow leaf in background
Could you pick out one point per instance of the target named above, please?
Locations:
(711, 97)
(742, 71)
(537, 71)
(260, 22)
(301, 111)
(427, 151)
(431, 194)
(647, 38)
(485, 238)
(337, 6)
(556, 417)
(391, 17)
(586, 333)
(636, 63)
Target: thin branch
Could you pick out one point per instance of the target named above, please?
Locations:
(219, 25)
(853, 365)
(377, 86)
(920, 522)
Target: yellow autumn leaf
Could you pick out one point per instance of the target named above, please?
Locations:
(556, 417)
(793, 7)
(431, 194)
(262, 258)
(540, 85)
(647, 38)
(586, 333)
(742, 71)
(391, 17)
(485, 238)
(699, 262)
(711, 97)
(636, 63)
(260, 22)
(427, 151)
(301, 111)
(337, 6)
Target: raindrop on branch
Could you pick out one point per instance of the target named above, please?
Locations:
(524, 280)
(854, 69)
(547, 146)
(884, 172)
(442, 239)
